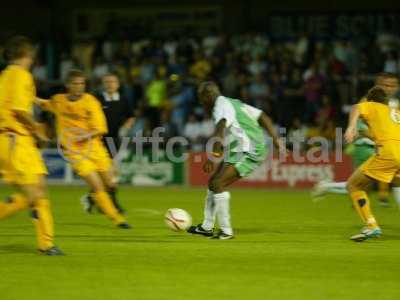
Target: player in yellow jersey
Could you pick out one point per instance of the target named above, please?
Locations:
(384, 128)
(363, 147)
(80, 124)
(21, 164)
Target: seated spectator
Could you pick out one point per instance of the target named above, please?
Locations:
(326, 112)
(141, 126)
(257, 66)
(169, 127)
(67, 63)
(192, 131)
(207, 128)
(259, 91)
(328, 131)
(201, 67)
(297, 135)
(313, 88)
(39, 71)
(391, 64)
(156, 95)
(181, 96)
(209, 43)
(100, 69)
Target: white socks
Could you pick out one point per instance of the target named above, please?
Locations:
(396, 195)
(221, 201)
(209, 211)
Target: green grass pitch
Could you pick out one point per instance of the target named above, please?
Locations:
(286, 247)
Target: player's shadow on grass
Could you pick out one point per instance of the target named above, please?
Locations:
(15, 248)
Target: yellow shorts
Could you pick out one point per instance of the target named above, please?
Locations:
(89, 159)
(385, 164)
(20, 160)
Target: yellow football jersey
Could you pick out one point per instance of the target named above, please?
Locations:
(75, 119)
(383, 121)
(17, 92)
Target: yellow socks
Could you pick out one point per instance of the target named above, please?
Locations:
(17, 202)
(103, 201)
(41, 217)
(43, 221)
(361, 205)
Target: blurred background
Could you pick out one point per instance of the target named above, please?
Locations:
(303, 63)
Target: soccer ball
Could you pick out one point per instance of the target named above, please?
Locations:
(178, 219)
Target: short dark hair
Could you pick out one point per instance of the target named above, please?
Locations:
(74, 73)
(17, 47)
(376, 94)
(209, 88)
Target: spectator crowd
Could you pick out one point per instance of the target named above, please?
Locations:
(305, 85)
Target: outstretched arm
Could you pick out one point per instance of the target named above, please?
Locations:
(44, 104)
(351, 131)
(266, 123)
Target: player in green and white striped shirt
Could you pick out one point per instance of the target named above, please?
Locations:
(241, 128)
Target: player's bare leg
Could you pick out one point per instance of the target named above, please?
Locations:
(103, 200)
(357, 185)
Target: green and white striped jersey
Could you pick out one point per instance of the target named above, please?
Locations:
(244, 133)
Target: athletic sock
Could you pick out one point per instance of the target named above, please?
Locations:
(222, 211)
(103, 201)
(209, 211)
(13, 204)
(361, 205)
(396, 195)
(43, 222)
